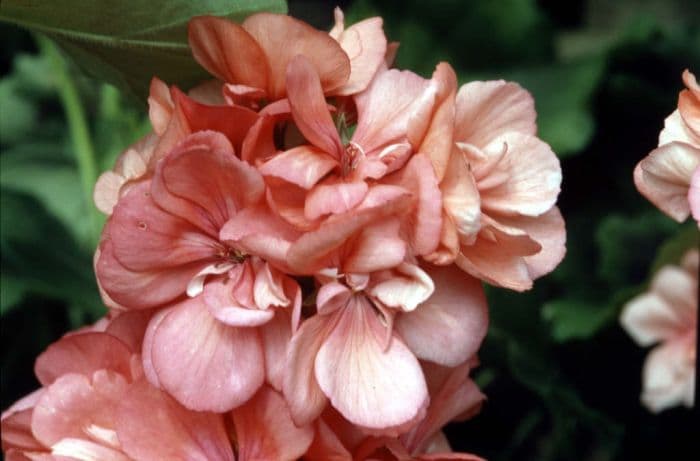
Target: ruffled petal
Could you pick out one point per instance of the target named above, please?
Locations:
(302, 165)
(404, 287)
(371, 385)
(486, 110)
(377, 247)
(664, 176)
(448, 327)
(221, 303)
(265, 430)
(460, 198)
(167, 430)
(216, 369)
(669, 375)
(334, 197)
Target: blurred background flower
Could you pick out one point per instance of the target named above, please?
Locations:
(562, 378)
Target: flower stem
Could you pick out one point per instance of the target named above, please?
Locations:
(79, 131)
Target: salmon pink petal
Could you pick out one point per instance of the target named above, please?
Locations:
(234, 122)
(437, 141)
(160, 105)
(16, 430)
(79, 406)
(675, 129)
(71, 448)
(311, 252)
(326, 445)
(334, 197)
(302, 165)
(130, 327)
(203, 182)
(83, 354)
(144, 236)
(386, 107)
(365, 44)
(377, 247)
(269, 286)
(228, 51)
(498, 257)
(371, 385)
(142, 289)
(282, 38)
(448, 327)
(167, 430)
(668, 376)
(276, 336)
(331, 297)
(147, 348)
(221, 304)
(664, 176)
(301, 391)
(549, 231)
(259, 144)
(525, 179)
(689, 103)
(650, 319)
(404, 287)
(216, 369)
(242, 95)
(265, 430)
(425, 221)
(487, 110)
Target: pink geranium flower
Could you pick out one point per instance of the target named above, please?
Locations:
(670, 175)
(667, 314)
(499, 190)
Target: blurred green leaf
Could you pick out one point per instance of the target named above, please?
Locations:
(39, 256)
(563, 96)
(673, 249)
(575, 319)
(128, 42)
(18, 114)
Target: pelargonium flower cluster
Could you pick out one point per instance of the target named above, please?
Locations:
(293, 257)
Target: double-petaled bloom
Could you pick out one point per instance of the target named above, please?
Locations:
(669, 176)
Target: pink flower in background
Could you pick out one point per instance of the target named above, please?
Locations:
(669, 176)
(499, 190)
(667, 314)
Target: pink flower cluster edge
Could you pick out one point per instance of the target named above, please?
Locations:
(294, 257)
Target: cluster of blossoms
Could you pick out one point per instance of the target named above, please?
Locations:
(293, 258)
(668, 313)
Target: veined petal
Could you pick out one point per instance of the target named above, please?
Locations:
(265, 430)
(334, 197)
(404, 287)
(282, 38)
(487, 110)
(167, 430)
(378, 246)
(228, 51)
(460, 197)
(450, 325)
(218, 368)
(219, 299)
(85, 450)
(371, 385)
(302, 165)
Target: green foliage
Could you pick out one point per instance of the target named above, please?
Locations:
(125, 42)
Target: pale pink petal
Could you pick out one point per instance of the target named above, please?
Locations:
(309, 107)
(648, 319)
(678, 287)
(83, 354)
(79, 406)
(217, 368)
(378, 246)
(549, 231)
(85, 450)
(676, 130)
(160, 105)
(365, 44)
(689, 103)
(106, 192)
(385, 108)
(228, 51)
(373, 386)
(203, 182)
(404, 287)
(302, 165)
(424, 223)
(282, 38)
(334, 197)
(664, 176)
(167, 430)
(486, 110)
(301, 391)
(449, 327)
(269, 286)
(694, 195)
(520, 175)
(218, 298)
(669, 375)
(265, 430)
(461, 198)
(331, 297)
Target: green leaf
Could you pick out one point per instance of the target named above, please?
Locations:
(128, 42)
(575, 319)
(673, 249)
(39, 256)
(18, 114)
(563, 95)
